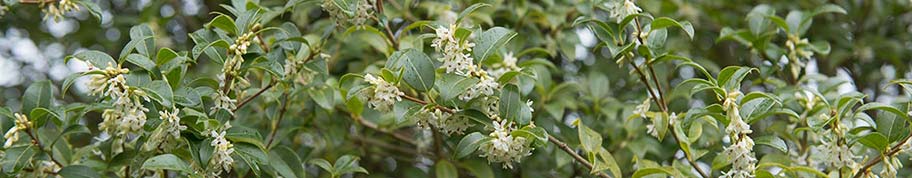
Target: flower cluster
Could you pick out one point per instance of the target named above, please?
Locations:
(836, 155)
(223, 102)
(233, 64)
(363, 13)
(167, 134)
(456, 58)
(57, 9)
(642, 109)
(508, 64)
(620, 9)
(443, 121)
(383, 95)
(503, 147)
(890, 166)
(221, 156)
(740, 152)
(45, 168)
(12, 135)
(485, 87)
(127, 115)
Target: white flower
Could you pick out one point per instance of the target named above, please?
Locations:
(742, 158)
(503, 147)
(485, 87)
(12, 135)
(443, 121)
(642, 109)
(508, 64)
(890, 166)
(222, 101)
(363, 13)
(127, 114)
(736, 126)
(221, 156)
(836, 155)
(456, 58)
(167, 133)
(383, 95)
(620, 9)
(45, 167)
(57, 10)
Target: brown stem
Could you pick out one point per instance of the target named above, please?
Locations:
(374, 126)
(250, 98)
(419, 101)
(577, 157)
(275, 125)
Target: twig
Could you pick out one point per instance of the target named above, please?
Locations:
(258, 93)
(880, 158)
(580, 159)
(373, 126)
(275, 125)
(419, 101)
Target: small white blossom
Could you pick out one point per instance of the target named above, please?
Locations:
(643, 108)
(167, 134)
(443, 121)
(890, 166)
(128, 114)
(221, 156)
(57, 9)
(12, 135)
(456, 58)
(363, 13)
(620, 9)
(836, 155)
(503, 147)
(508, 64)
(485, 87)
(383, 95)
(742, 158)
(45, 168)
(223, 102)
(736, 126)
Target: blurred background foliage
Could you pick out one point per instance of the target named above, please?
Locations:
(870, 45)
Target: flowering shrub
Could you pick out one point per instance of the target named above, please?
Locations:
(401, 88)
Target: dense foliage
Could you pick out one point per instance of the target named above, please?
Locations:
(481, 88)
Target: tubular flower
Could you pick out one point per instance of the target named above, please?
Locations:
(127, 115)
(620, 9)
(443, 121)
(485, 87)
(221, 156)
(503, 147)
(643, 108)
(456, 58)
(890, 166)
(12, 135)
(741, 149)
(45, 168)
(168, 132)
(383, 95)
(233, 65)
(57, 9)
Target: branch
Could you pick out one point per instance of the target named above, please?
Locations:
(554, 140)
(258, 93)
(880, 158)
(580, 159)
(38, 143)
(275, 125)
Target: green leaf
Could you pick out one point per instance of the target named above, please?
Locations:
(38, 94)
(322, 163)
(890, 126)
(93, 9)
(469, 10)
(468, 144)
(510, 106)
(78, 171)
(665, 22)
(885, 107)
(141, 61)
(348, 164)
(875, 140)
(478, 168)
(660, 122)
(286, 162)
(325, 97)
(590, 140)
(142, 39)
(223, 22)
(96, 58)
(164, 56)
(451, 85)
(774, 142)
(445, 169)
(757, 18)
(19, 157)
(604, 160)
(166, 162)
(730, 77)
(650, 171)
(245, 135)
(160, 91)
(418, 70)
(490, 41)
